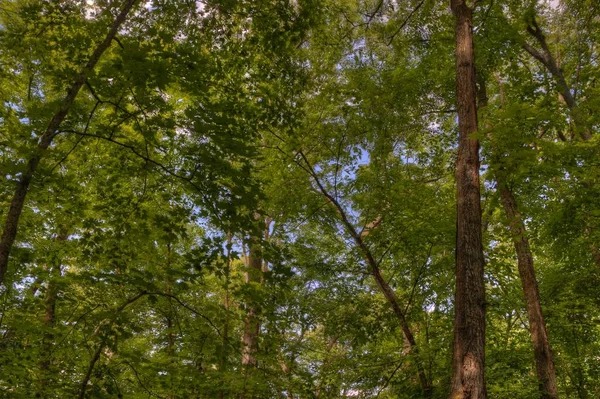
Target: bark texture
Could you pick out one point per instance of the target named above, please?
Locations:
(16, 206)
(468, 361)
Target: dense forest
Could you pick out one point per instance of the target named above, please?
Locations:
(300, 199)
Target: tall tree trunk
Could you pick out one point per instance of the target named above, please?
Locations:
(382, 284)
(468, 360)
(256, 266)
(16, 206)
(288, 363)
(544, 360)
(579, 378)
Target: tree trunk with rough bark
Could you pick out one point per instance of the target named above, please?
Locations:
(468, 360)
(11, 223)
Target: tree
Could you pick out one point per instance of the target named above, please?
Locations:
(268, 199)
(9, 231)
(468, 366)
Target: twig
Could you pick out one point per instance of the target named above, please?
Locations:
(403, 24)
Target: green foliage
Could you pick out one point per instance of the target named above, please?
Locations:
(211, 131)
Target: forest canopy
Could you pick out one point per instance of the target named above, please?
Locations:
(300, 199)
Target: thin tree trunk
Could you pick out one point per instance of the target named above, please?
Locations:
(253, 275)
(468, 360)
(48, 338)
(544, 360)
(226, 304)
(49, 320)
(582, 392)
(170, 335)
(256, 266)
(170, 344)
(16, 207)
(375, 271)
(86, 379)
(252, 323)
(548, 60)
(325, 365)
(92, 364)
(409, 338)
(288, 367)
(595, 254)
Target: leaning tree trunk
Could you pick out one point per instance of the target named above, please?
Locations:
(409, 338)
(103, 341)
(375, 271)
(547, 59)
(468, 360)
(16, 206)
(544, 360)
